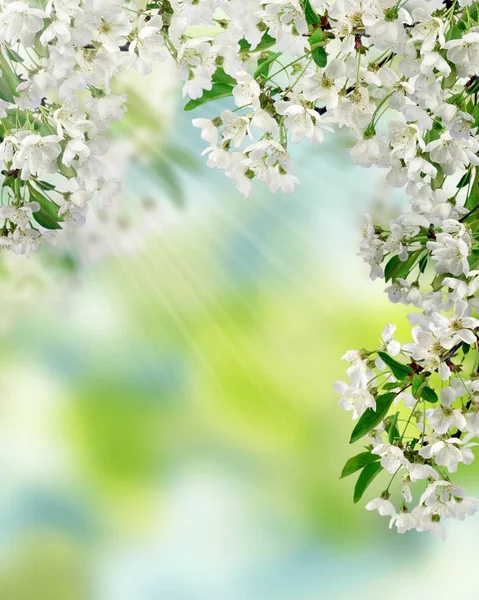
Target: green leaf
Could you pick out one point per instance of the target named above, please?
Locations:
(44, 185)
(429, 395)
(358, 462)
(218, 90)
(318, 54)
(320, 57)
(465, 348)
(67, 172)
(316, 37)
(417, 382)
(266, 42)
(397, 268)
(432, 135)
(474, 88)
(392, 385)
(364, 480)
(454, 33)
(437, 282)
(422, 264)
(8, 81)
(475, 114)
(371, 418)
(399, 370)
(310, 14)
(47, 216)
(437, 182)
(40, 49)
(473, 199)
(9, 75)
(449, 81)
(465, 179)
(9, 182)
(219, 76)
(12, 55)
(263, 66)
(393, 432)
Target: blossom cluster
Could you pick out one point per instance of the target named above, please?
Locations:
(58, 59)
(297, 70)
(417, 404)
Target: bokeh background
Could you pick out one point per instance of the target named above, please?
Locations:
(168, 428)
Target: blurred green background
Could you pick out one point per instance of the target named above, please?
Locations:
(168, 428)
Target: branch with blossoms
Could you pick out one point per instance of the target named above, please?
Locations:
(58, 61)
(417, 405)
(403, 79)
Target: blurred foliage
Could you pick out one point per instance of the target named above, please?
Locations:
(45, 566)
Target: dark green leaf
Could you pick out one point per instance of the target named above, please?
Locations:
(47, 216)
(422, 264)
(310, 14)
(475, 114)
(219, 76)
(465, 347)
(429, 395)
(397, 268)
(9, 182)
(473, 89)
(393, 432)
(399, 370)
(364, 480)
(266, 42)
(316, 37)
(358, 462)
(218, 90)
(431, 136)
(465, 179)
(44, 185)
(371, 418)
(319, 56)
(319, 53)
(454, 33)
(473, 199)
(417, 381)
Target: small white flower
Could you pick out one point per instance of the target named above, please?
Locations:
(444, 418)
(247, 90)
(392, 457)
(383, 506)
(455, 329)
(388, 345)
(357, 399)
(37, 155)
(445, 453)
